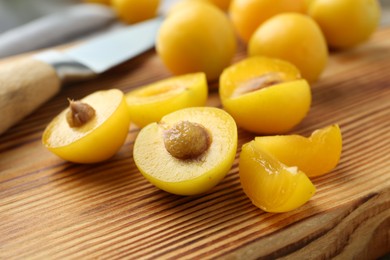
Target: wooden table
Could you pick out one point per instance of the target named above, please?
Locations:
(52, 209)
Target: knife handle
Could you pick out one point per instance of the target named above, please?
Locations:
(24, 86)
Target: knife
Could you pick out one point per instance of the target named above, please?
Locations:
(28, 83)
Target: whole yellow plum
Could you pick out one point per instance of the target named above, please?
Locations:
(346, 23)
(222, 4)
(295, 38)
(199, 38)
(133, 11)
(248, 15)
(104, 2)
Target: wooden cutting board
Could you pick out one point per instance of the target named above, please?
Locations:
(52, 209)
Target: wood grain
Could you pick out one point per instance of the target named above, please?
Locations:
(51, 209)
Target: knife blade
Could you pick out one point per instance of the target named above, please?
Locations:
(28, 83)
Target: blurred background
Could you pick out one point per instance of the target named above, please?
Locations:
(17, 12)
(14, 13)
(27, 25)
(386, 12)
(23, 29)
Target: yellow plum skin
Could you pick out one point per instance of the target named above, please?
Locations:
(199, 38)
(104, 2)
(295, 38)
(179, 6)
(346, 23)
(315, 155)
(97, 140)
(190, 176)
(248, 15)
(150, 103)
(133, 11)
(221, 4)
(269, 110)
(271, 185)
